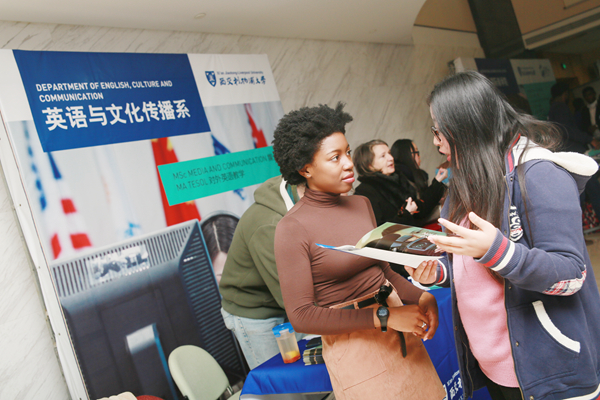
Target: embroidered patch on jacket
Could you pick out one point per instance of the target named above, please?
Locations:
(516, 231)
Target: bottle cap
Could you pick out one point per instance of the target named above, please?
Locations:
(283, 328)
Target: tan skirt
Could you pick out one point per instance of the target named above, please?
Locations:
(368, 364)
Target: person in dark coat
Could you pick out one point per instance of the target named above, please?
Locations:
(407, 161)
(525, 303)
(391, 195)
(574, 139)
(591, 112)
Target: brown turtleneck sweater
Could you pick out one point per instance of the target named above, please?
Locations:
(313, 278)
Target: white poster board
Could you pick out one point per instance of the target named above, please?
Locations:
(82, 137)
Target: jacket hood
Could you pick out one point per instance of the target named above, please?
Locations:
(270, 194)
(580, 166)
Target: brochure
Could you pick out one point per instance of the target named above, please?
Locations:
(395, 243)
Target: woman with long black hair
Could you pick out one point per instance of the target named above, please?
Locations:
(526, 306)
(407, 162)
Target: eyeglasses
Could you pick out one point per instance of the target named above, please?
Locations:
(415, 153)
(436, 133)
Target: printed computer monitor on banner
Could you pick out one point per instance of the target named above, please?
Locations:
(127, 306)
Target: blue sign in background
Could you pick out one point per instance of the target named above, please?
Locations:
(500, 72)
(89, 99)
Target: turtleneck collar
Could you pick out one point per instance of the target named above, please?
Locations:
(320, 199)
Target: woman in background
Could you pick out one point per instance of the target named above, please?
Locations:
(407, 161)
(332, 293)
(526, 307)
(218, 232)
(390, 194)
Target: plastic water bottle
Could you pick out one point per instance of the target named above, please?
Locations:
(286, 340)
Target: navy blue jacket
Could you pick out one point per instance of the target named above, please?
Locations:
(551, 296)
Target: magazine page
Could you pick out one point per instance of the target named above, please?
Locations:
(395, 243)
(401, 238)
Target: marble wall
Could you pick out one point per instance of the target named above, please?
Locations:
(384, 86)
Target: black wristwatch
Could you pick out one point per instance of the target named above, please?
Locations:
(383, 313)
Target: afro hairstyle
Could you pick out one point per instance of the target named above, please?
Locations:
(299, 134)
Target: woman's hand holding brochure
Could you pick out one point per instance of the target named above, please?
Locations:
(467, 242)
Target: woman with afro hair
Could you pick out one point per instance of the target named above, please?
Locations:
(333, 293)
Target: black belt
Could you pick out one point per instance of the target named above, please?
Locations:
(381, 298)
(361, 304)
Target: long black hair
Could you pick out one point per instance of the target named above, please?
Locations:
(480, 127)
(402, 150)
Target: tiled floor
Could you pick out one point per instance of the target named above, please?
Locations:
(593, 246)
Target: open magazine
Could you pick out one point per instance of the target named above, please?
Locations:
(395, 243)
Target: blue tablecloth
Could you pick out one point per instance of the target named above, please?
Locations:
(275, 377)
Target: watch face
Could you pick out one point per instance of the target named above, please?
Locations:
(383, 312)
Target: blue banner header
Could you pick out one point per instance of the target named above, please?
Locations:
(90, 99)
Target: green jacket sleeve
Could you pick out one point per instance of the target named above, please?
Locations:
(262, 250)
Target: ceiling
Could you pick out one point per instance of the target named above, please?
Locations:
(582, 42)
(374, 21)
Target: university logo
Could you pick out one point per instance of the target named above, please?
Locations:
(210, 76)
